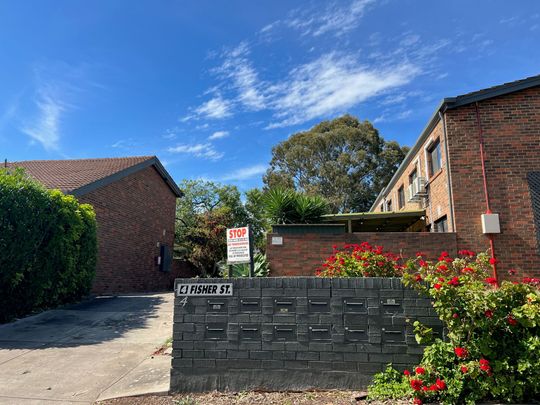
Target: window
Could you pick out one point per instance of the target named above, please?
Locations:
(441, 225)
(401, 197)
(389, 205)
(412, 177)
(434, 158)
(382, 207)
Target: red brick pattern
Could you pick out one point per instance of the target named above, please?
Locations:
(511, 125)
(135, 215)
(301, 255)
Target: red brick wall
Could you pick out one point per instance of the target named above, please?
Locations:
(300, 255)
(133, 215)
(511, 125)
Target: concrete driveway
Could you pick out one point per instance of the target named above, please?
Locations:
(98, 349)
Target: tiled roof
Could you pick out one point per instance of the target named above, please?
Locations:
(70, 175)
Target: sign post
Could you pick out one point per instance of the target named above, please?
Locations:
(240, 248)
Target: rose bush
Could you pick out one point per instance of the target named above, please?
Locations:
(360, 260)
(492, 345)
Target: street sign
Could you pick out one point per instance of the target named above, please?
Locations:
(238, 245)
(204, 289)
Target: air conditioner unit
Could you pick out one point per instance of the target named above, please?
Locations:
(417, 189)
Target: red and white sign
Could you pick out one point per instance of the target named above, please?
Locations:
(238, 245)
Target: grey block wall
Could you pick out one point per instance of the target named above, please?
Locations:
(295, 333)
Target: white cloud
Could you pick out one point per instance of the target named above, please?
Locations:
(334, 19)
(215, 108)
(245, 173)
(218, 135)
(330, 84)
(200, 150)
(393, 116)
(45, 128)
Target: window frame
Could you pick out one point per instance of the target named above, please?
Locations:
(435, 145)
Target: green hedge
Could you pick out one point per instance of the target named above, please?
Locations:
(48, 246)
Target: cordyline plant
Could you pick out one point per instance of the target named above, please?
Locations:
(492, 345)
(360, 260)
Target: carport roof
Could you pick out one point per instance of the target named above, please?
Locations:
(393, 221)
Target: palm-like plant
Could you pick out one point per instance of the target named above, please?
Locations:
(286, 206)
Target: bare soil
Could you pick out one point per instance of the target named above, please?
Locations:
(253, 398)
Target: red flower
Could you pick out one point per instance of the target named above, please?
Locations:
(512, 272)
(407, 373)
(424, 388)
(492, 260)
(484, 365)
(443, 267)
(455, 316)
(466, 253)
(491, 280)
(418, 278)
(437, 286)
(417, 401)
(422, 263)
(433, 387)
(420, 370)
(440, 384)
(489, 313)
(467, 270)
(511, 320)
(461, 352)
(454, 282)
(464, 369)
(416, 385)
(420, 254)
(444, 254)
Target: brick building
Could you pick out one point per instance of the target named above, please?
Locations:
(135, 202)
(479, 154)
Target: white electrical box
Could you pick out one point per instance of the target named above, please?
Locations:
(490, 223)
(277, 240)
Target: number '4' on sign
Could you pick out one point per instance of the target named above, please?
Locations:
(183, 301)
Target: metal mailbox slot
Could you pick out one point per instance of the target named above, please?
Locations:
(391, 305)
(250, 305)
(216, 305)
(284, 305)
(250, 332)
(354, 305)
(356, 333)
(320, 332)
(285, 332)
(319, 305)
(216, 331)
(393, 335)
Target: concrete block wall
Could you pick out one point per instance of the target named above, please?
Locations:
(295, 333)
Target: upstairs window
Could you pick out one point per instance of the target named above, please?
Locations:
(434, 158)
(441, 225)
(413, 176)
(401, 197)
(389, 205)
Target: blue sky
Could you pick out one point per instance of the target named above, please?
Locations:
(210, 86)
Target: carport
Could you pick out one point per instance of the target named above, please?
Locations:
(392, 221)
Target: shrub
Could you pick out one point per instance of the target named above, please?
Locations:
(491, 351)
(47, 246)
(260, 267)
(286, 206)
(361, 260)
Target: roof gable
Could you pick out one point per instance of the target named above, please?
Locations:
(81, 176)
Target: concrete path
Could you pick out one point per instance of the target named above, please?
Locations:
(94, 350)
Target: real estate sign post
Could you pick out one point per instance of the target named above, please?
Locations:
(240, 248)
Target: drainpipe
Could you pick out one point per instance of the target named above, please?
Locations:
(448, 175)
(484, 177)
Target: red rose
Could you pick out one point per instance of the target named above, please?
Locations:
(511, 320)
(420, 254)
(417, 401)
(418, 278)
(454, 281)
(424, 388)
(484, 365)
(467, 270)
(416, 384)
(461, 352)
(464, 369)
(493, 261)
(443, 267)
(420, 370)
(407, 373)
(440, 384)
(489, 313)
(455, 316)
(437, 286)
(491, 280)
(433, 387)
(444, 254)
(422, 263)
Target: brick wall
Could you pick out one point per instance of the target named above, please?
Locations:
(134, 214)
(301, 255)
(437, 184)
(295, 333)
(511, 125)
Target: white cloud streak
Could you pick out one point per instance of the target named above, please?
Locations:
(218, 135)
(200, 150)
(45, 128)
(245, 173)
